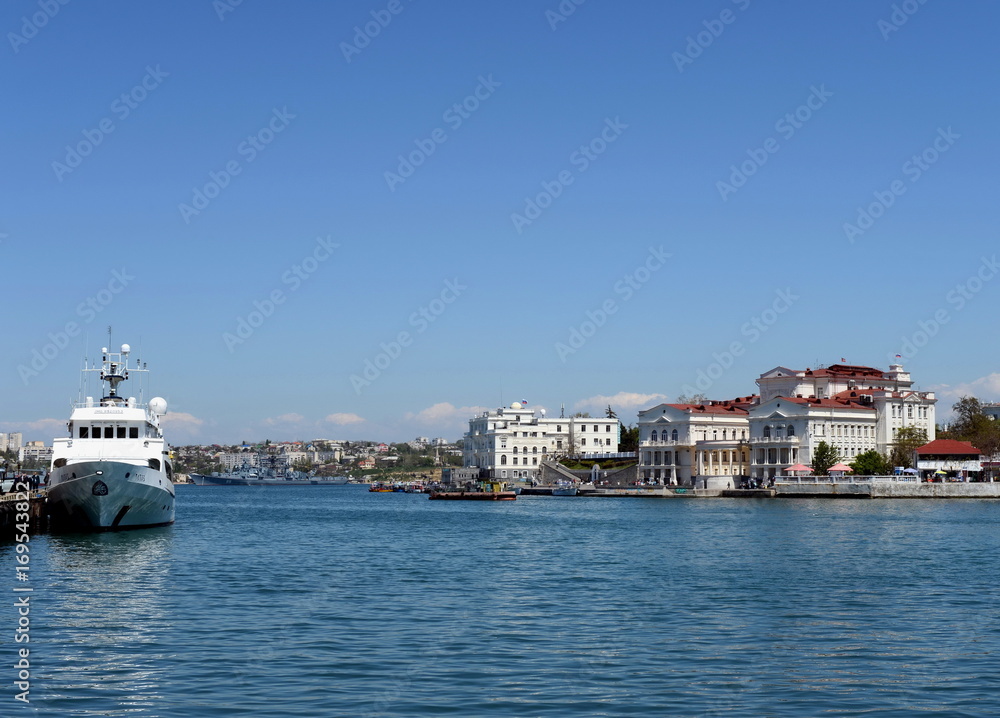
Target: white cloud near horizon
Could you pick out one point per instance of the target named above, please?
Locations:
(985, 388)
(341, 419)
(283, 419)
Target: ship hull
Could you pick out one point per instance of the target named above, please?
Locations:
(109, 496)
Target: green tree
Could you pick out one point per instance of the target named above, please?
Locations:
(908, 438)
(871, 463)
(972, 425)
(823, 457)
(696, 399)
(630, 439)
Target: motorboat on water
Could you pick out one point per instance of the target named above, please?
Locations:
(113, 471)
(564, 488)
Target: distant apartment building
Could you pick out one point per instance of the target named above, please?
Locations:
(35, 451)
(511, 443)
(852, 408)
(11, 441)
(991, 410)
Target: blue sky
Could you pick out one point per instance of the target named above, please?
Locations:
(608, 205)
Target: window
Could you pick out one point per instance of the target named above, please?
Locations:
(503, 460)
(503, 474)
(583, 442)
(558, 443)
(109, 433)
(84, 432)
(133, 432)
(544, 450)
(909, 411)
(673, 435)
(653, 437)
(558, 427)
(514, 461)
(534, 460)
(121, 432)
(534, 449)
(791, 430)
(607, 442)
(515, 449)
(608, 428)
(767, 432)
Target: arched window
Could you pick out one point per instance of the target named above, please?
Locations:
(653, 437)
(673, 435)
(767, 432)
(791, 430)
(515, 449)
(544, 450)
(503, 460)
(534, 449)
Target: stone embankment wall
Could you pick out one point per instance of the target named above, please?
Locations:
(890, 490)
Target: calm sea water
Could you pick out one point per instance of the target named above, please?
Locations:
(337, 602)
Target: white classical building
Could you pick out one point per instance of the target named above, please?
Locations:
(686, 444)
(853, 408)
(511, 443)
(889, 393)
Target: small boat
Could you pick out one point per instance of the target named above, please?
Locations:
(564, 488)
(484, 491)
(379, 488)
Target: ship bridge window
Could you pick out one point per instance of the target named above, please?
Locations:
(121, 432)
(154, 464)
(84, 432)
(133, 432)
(109, 432)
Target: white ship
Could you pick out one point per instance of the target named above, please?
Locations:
(113, 471)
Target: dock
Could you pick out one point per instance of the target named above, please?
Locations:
(33, 503)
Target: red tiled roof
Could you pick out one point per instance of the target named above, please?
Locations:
(832, 403)
(714, 408)
(847, 370)
(948, 447)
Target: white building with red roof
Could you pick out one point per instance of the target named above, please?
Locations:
(948, 458)
(696, 444)
(853, 408)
